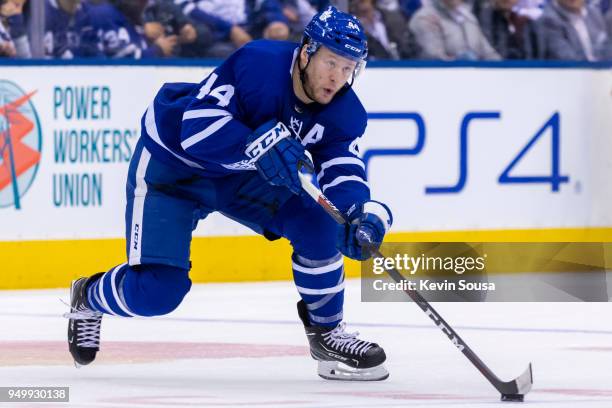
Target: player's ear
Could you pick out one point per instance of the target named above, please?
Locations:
(303, 55)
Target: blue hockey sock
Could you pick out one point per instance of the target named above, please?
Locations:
(106, 293)
(321, 286)
(141, 290)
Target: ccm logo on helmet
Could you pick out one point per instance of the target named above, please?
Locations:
(350, 47)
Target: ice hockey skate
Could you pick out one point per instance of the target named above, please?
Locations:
(341, 355)
(83, 326)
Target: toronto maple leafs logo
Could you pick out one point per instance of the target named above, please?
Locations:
(296, 126)
(353, 26)
(325, 15)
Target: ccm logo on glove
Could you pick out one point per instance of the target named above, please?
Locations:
(265, 142)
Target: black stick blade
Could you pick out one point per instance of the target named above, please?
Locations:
(524, 381)
(512, 397)
(515, 390)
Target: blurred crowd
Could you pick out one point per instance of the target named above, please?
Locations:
(578, 30)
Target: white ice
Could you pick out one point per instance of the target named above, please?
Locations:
(242, 345)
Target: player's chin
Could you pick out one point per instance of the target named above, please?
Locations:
(325, 96)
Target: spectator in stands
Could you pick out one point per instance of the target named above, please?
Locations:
(447, 30)
(510, 33)
(266, 20)
(385, 29)
(388, 5)
(409, 7)
(298, 13)
(118, 24)
(68, 31)
(602, 5)
(530, 8)
(165, 18)
(14, 39)
(236, 22)
(7, 48)
(572, 31)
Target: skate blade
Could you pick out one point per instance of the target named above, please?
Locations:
(333, 370)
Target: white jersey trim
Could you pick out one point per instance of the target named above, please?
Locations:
(339, 161)
(198, 137)
(343, 179)
(151, 128)
(372, 207)
(204, 113)
(140, 193)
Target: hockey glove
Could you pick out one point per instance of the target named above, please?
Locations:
(276, 153)
(366, 229)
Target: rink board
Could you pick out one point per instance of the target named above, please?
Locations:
(463, 153)
(54, 263)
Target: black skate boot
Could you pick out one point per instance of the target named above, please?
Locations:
(341, 355)
(84, 324)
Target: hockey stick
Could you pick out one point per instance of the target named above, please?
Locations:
(514, 390)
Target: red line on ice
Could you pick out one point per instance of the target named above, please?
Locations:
(114, 352)
(576, 392)
(192, 400)
(401, 395)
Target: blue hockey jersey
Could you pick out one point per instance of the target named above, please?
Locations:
(117, 36)
(255, 15)
(237, 11)
(69, 36)
(205, 126)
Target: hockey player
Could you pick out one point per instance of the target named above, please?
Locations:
(232, 144)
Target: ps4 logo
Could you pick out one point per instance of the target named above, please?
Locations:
(552, 176)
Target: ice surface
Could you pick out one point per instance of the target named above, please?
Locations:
(236, 345)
